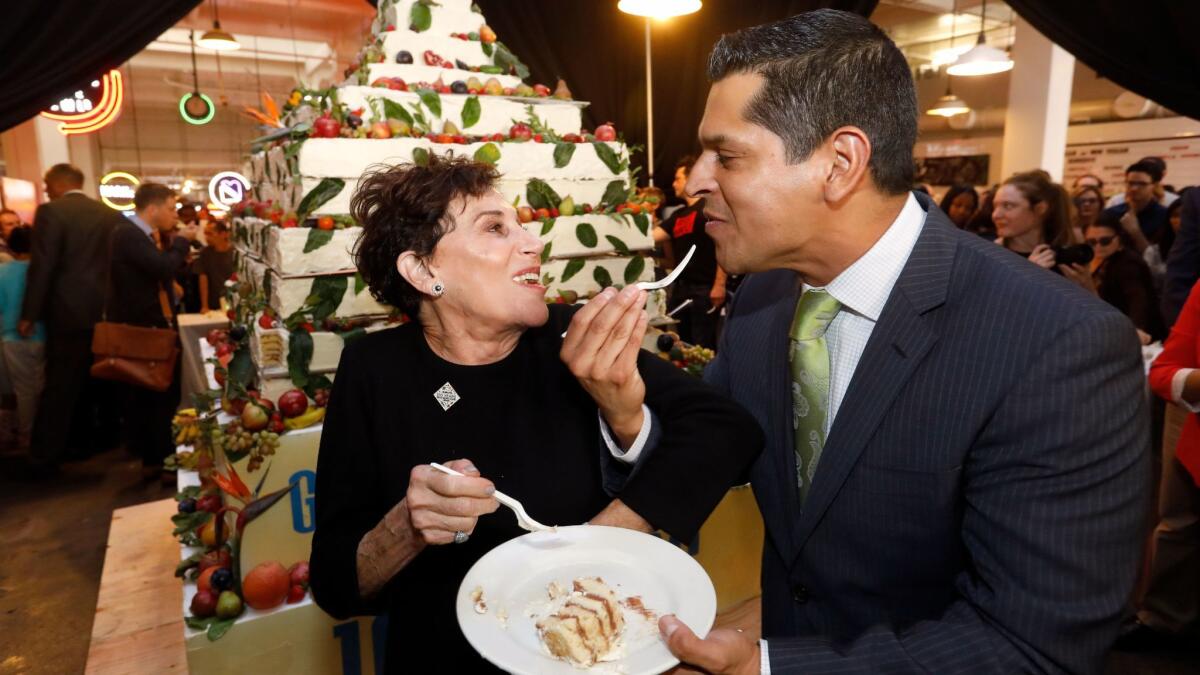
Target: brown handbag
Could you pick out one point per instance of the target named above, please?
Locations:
(138, 355)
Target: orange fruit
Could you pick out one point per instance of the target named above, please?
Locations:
(202, 582)
(266, 586)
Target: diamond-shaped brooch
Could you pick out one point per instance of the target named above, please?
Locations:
(446, 396)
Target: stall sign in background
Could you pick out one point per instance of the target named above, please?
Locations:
(1109, 160)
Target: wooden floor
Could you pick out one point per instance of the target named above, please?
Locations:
(139, 625)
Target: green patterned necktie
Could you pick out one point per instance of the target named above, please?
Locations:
(810, 381)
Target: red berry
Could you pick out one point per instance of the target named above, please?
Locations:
(538, 138)
(266, 320)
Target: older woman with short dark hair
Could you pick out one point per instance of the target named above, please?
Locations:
(481, 380)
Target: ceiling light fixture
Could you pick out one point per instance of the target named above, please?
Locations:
(218, 39)
(982, 59)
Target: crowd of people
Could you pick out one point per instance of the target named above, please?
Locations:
(80, 263)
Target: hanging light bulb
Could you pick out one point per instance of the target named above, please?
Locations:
(949, 105)
(982, 59)
(659, 9)
(218, 39)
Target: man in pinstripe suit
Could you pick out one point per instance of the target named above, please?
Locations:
(971, 475)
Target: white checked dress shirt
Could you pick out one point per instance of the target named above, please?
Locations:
(863, 289)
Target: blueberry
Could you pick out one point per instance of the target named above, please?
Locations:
(354, 121)
(665, 342)
(237, 333)
(221, 580)
(187, 505)
(404, 57)
(458, 87)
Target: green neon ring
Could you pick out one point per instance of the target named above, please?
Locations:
(212, 110)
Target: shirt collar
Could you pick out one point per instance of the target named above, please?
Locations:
(141, 224)
(864, 287)
(76, 191)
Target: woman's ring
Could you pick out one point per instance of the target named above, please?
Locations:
(461, 537)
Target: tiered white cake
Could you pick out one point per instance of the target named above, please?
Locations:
(434, 80)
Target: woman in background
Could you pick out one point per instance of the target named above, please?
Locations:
(960, 203)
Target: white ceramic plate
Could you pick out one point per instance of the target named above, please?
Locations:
(514, 577)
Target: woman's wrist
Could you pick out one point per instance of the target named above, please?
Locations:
(387, 549)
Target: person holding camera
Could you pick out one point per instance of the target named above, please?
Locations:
(1033, 220)
(1122, 278)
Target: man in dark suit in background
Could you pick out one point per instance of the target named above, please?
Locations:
(956, 471)
(65, 290)
(146, 258)
(1183, 262)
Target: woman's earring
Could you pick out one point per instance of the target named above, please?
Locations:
(438, 289)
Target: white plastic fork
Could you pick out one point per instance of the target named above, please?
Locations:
(666, 281)
(523, 518)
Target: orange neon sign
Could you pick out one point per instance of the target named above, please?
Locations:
(101, 114)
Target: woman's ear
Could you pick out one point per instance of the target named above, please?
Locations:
(413, 269)
(1041, 208)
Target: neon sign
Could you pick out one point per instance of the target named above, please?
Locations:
(85, 112)
(196, 101)
(228, 188)
(117, 189)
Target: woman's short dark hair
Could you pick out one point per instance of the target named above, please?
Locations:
(826, 69)
(406, 208)
(956, 190)
(1111, 221)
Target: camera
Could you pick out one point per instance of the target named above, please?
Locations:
(1079, 254)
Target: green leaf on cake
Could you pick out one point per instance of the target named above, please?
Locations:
(602, 276)
(326, 294)
(218, 629)
(507, 60)
(573, 267)
(562, 154)
(633, 271)
(614, 194)
(642, 222)
(489, 153)
(199, 624)
(420, 157)
(326, 190)
(359, 283)
(419, 18)
(546, 252)
(240, 370)
(394, 111)
(608, 156)
(470, 112)
(300, 351)
(548, 225)
(540, 195)
(586, 235)
(317, 238)
(618, 245)
(432, 101)
(487, 48)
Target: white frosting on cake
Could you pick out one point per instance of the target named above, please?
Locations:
(564, 242)
(288, 294)
(496, 113)
(350, 157)
(452, 49)
(449, 16)
(415, 72)
(582, 191)
(584, 281)
(269, 348)
(282, 249)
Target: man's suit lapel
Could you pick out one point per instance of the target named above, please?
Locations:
(900, 341)
(779, 395)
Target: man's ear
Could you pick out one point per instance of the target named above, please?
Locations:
(414, 271)
(849, 151)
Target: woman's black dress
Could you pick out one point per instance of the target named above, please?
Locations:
(529, 427)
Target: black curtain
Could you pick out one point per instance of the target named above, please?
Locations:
(600, 52)
(1149, 47)
(52, 46)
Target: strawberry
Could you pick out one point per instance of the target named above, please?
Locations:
(266, 321)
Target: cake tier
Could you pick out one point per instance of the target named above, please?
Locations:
(286, 295)
(587, 277)
(269, 348)
(413, 72)
(448, 16)
(470, 52)
(570, 236)
(349, 158)
(496, 113)
(514, 190)
(283, 249)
